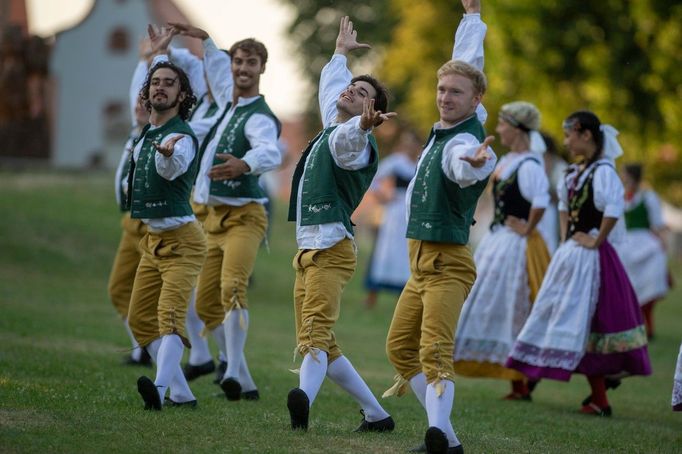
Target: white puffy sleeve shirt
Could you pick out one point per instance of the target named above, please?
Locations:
(349, 144)
(460, 171)
(193, 67)
(469, 48)
(218, 66)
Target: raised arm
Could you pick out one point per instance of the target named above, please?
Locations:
(137, 80)
(217, 63)
(335, 75)
(193, 67)
(174, 155)
(469, 36)
(467, 161)
(468, 45)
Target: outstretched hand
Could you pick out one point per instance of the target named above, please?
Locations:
(472, 6)
(481, 156)
(159, 39)
(348, 38)
(233, 167)
(188, 30)
(372, 118)
(167, 148)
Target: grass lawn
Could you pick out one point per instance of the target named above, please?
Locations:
(63, 388)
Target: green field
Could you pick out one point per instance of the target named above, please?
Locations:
(63, 388)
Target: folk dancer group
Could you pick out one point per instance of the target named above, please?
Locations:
(182, 269)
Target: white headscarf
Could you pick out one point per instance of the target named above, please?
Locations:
(612, 149)
(537, 143)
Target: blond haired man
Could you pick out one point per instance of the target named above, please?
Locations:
(441, 199)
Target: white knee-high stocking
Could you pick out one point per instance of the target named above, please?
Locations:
(418, 385)
(199, 353)
(342, 372)
(313, 371)
(236, 326)
(168, 371)
(438, 409)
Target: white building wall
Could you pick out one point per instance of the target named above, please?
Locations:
(88, 75)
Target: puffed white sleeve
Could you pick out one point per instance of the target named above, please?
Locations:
(218, 72)
(534, 184)
(335, 77)
(176, 164)
(193, 67)
(469, 40)
(468, 47)
(460, 171)
(653, 208)
(264, 155)
(608, 192)
(349, 145)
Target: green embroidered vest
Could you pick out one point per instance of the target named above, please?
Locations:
(329, 193)
(441, 210)
(149, 194)
(235, 142)
(637, 217)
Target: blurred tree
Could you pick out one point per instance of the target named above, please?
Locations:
(620, 59)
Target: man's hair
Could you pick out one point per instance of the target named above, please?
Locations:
(186, 104)
(461, 68)
(381, 98)
(251, 46)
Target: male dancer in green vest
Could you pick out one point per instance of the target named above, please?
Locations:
(441, 199)
(243, 145)
(163, 168)
(329, 181)
(202, 120)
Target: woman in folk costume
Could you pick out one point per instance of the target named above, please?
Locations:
(586, 318)
(643, 251)
(677, 385)
(511, 259)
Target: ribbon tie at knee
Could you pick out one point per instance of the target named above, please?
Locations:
(399, 388)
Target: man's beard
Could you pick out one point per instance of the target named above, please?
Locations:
(161, 107)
